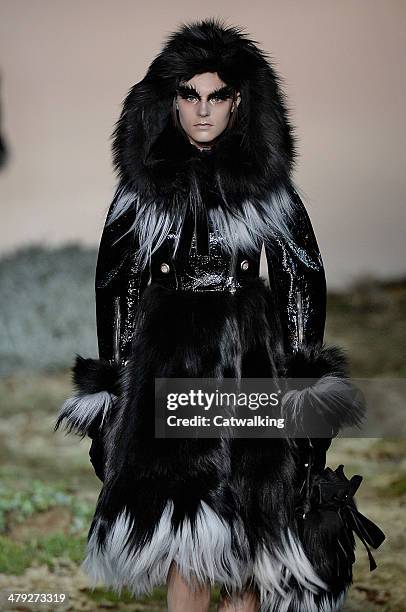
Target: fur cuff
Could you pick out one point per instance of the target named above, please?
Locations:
(97, 388)
(329, 403)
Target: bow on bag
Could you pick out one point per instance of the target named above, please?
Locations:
(332, 489)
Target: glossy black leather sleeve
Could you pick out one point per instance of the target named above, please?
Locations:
(296, 274)
(119, 282)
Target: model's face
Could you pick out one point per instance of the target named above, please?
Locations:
(205, 104)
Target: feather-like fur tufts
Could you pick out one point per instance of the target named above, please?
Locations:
(329, 401)
(97, 388)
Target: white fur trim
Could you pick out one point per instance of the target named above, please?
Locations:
(272, 570)
(203, 553)
(333, 398)
(255, 223)
(245, 229)
(302, 602)
(80, 411)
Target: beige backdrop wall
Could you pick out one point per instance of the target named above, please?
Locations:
(66, 65)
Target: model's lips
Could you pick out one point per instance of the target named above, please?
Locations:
(203, 125)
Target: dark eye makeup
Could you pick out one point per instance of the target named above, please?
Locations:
(222, 93)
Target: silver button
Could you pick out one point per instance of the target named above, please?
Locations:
(244, 264)
(165, 268)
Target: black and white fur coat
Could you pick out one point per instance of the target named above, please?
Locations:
(178, 294)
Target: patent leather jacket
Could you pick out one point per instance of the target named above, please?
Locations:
(295, 269)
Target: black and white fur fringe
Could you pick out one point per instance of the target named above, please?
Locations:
(204, 555)
(331, 401)
(97, 389)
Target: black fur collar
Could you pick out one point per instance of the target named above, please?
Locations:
(173, 163)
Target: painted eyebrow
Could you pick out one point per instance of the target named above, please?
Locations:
(221, 92)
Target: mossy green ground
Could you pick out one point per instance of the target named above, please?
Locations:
(48, 490)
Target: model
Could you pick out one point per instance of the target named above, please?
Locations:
(204, 152)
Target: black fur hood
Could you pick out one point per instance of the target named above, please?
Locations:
(154, 159)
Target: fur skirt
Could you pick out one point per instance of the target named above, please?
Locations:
(224, 510)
